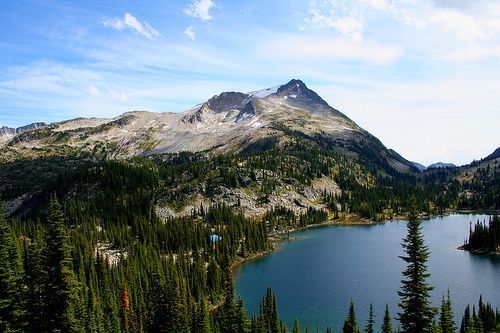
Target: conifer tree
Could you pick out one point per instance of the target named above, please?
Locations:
(61, 282)
(465, 320)
(371, 321)
(446, 321)
(241, 316)
(350, 324)
(11, 309)
(175, 306)
(254, 324)
(296, 327)
(269, 312)
(229, 314)
(417, 314)
(202, 320)
(387, 323)
(35, 278)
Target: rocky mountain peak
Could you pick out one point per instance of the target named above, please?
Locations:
(30, 127)
(226, 101)
(294, 84)
(297, 90)
(7, 133)
(5, 130)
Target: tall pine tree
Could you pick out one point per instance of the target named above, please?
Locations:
(350, 324)
(61, 285)
(417, 314)
(11, 310)
(446, 321)
(387, 323)
(371, 321)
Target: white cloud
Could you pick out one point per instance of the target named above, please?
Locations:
(189, 31)
(476, 28)
(46, 77)
(309, 48)
(110, 93)
(118, 95)
(474, 53)
(467, 28)
(347, 25)
(200, 9)
(381, 5)
(406, 12)
(93, 90)
(114, 23)
(130, 22)
(348, 17)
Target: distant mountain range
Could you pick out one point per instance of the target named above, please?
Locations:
(441, 165)
(438, 165)
(231, 122)
(8, 133)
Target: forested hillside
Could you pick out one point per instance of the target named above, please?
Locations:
(146, 244)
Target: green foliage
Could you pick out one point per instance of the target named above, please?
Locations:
(61, 285)
(446, 321)
(370, 326)
(484, 237)
(11, 300)
(486, 320)
(387, 322)
(417, 314)
(102, 260)
(350, 324)
(482, 191)
(296, 327)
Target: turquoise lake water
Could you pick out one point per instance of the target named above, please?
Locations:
(316, 276)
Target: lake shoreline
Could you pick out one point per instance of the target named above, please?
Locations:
(479, 252)
(363, 264)
(351, 220)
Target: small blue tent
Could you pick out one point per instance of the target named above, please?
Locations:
(215, 238)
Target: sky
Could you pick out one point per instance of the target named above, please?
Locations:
(421, 75)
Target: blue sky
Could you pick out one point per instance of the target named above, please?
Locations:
(422, 75)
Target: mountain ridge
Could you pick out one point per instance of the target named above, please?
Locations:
(277, 147)
(8, 133)
(441, 165)
(230, 122)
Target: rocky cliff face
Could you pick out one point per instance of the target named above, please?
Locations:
(7, 133)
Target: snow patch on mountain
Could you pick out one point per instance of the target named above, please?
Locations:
(263, 93)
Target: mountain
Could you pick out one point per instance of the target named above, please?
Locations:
(231, 122)
(8, 133)
(494, 155)
(441, 165)
(419, 166)
(280, 147)
(277, 147)
(480, 183)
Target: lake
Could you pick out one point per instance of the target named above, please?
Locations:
(317, 275)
